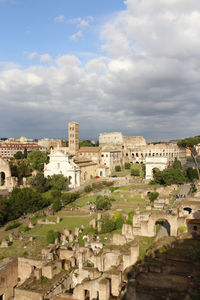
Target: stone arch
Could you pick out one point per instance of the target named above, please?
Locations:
(153, 163)
(165, 224)
(172, 220)
(2, 178)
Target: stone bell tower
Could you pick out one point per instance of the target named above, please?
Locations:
(73, 137)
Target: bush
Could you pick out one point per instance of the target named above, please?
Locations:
(103, 202)
(23, 228)
(152, 196)
(52, 236)
(117, 168)
(135, 172)
(118, 219)
(56, 194)
(87, 189)
(57, 205)
(12, 226)
(130, 218)
(108, 225)
(127, 165)
(182, 229)
(70, 197)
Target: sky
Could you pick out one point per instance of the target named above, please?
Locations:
(111, 65)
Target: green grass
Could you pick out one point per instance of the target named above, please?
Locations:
(83, 201)
(134, 201)
(69, 223)
(68, 213)
(20, 248)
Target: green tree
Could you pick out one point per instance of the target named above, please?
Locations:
(3, 211)
(38, 182)
(191, 174)
(103, 202)
(57, 182)
(18, 155)
(108, 224)
(177, 164)
(24, 201)
(37, 159)
(57, 205)
(117, 168)
(135, 172)
(23, 169)
(190, 143)
(152, 196)
(127, 165)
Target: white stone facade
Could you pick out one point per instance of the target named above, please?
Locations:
(61, 164)
(160, 163)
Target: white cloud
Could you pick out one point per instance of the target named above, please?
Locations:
(147, 83)
(32, 55)
(60, 19)
(76, 35)
(45, 58)
(80, 22)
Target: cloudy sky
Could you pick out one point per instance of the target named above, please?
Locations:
(111, 65)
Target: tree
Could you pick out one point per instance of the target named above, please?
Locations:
(190, 143)
(37, 159)
(117, 168)
(18, 155)
(57, 205)
(23, 169)
(103, 202)
(57, 182)
(191, 174)
(152, 196)
(169, 176)
(38, 182)
(135, 172)
(127, 165)
(177, 164)
(108, 224)
(24, 201)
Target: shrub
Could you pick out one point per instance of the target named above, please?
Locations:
(70, 197)
(152, 196)
(23, 228)
(108, 225)
(117, 168)
(130, 218)
(182, 229)
(127, 165)
(56, 194)
(12, 226)
(87, 189)
(135, 172)
(103, 202)
(118, 219)
(51, 236)
(57, 205)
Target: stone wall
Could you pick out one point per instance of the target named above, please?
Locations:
(8, 277)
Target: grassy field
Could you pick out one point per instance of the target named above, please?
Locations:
(23, 248)
(70, 223)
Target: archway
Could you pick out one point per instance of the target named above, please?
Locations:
(164, 226)
(70, 179)
(101, 173)
(2, 178)
(86, 295)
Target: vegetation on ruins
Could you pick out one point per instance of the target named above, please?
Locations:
(110, 224)
(103, 202)
(117, 168)
(190, 143)
(135, 171)
(152, 196)
(127, 165)
(52, 236)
